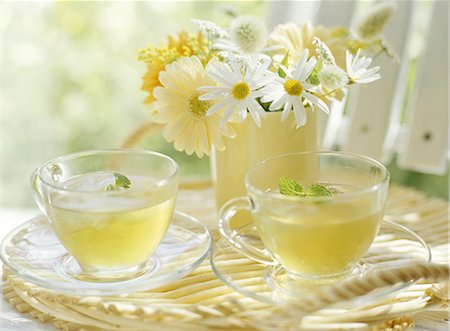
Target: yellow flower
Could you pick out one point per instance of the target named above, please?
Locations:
(184, 115)
(185, 44)
(295, 39)
(150, 79)
(156, 58)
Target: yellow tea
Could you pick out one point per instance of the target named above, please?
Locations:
(110, 231)
(320, 238)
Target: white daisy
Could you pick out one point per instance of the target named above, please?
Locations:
(293, 91)
(179, 107)
(237, 88)
(357, 69)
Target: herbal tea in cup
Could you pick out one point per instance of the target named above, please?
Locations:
(317, 213)
(109, 208)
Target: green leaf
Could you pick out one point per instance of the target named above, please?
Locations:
(122, 182)
(284, 62)
(314, 76)
(318, 190)
(290, 187)
(265, 105)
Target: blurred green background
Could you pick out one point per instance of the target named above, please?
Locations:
(71, 81)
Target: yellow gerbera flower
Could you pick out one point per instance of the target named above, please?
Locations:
(184, 115)
(295, 39)
(150, 79)
(156, 58)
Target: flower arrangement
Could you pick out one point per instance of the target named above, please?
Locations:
(199, 83)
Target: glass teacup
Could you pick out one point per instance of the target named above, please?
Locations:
(311, 237)
(109, 208)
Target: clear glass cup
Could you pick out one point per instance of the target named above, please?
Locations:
(311, 237)
(110, 227)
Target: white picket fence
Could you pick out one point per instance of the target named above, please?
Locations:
(381, 119)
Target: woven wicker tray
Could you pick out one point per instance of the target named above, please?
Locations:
(200, 301)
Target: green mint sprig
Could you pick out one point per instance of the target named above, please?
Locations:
(317, 190)
(291, 187)
(122, 182)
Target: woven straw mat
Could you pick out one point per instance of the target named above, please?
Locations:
(200, 301)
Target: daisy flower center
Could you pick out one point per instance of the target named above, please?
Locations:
(240, 90)
(198, 108)
(293, 87)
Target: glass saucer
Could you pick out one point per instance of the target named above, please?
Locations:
(33, 252)
(395, 245)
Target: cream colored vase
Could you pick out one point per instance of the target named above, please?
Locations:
(253, 144)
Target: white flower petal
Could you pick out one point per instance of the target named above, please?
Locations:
(299, 112)
(368, 72)
(285, 70)
(263, 82)
(218, 106)
(255, 114)
(308, 86)
(362, 63)
(278, 103)
(348, 62)
(219, 79)
(226, 72)
(214, 95)
(316, 101)
(301, 63)
(227, 114)
(243, 114)
(308, 68)
(286, 110)
(212, 88)
(256, 106)
(255, 94)
(368, 79)
(355, 59)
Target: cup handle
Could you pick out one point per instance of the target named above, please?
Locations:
(239, 242)
(36, 191)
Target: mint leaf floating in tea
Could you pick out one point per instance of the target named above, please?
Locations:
(122, 182)
(318, 190)
(290, 187)
(293, 188)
